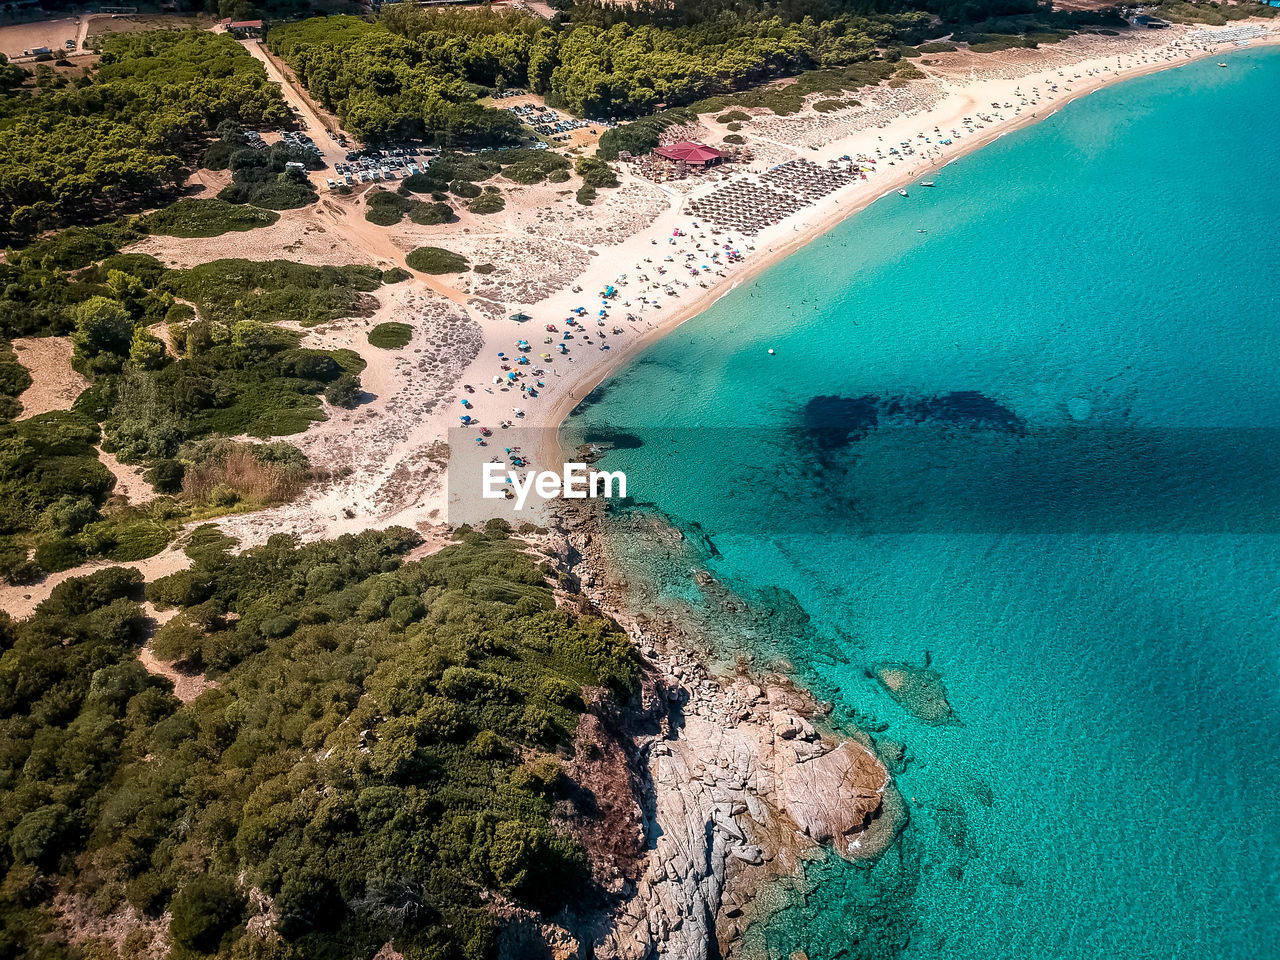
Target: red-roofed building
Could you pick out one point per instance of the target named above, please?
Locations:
(693, 154)
(243, 28)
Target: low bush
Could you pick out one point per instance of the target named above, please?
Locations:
(390, 336)
(487, 203)
(437, 260)
(207, 218)
(596, 173)
(395, 275)
(386, 208)
(586, 195)
(431, 214)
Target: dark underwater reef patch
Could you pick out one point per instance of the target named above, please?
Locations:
(614, 439)
(834, 421)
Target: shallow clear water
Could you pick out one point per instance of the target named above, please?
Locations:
(1062, 489)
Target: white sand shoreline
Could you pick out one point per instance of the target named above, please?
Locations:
(778, 242)
(384, 459)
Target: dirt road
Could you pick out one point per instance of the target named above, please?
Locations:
(332, 151)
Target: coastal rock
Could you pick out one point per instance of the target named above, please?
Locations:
(833, 797)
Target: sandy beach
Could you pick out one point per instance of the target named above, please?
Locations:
(956, 87)
(404, 456)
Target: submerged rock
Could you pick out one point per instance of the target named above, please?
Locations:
(918, 690)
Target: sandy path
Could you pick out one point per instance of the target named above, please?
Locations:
(20, 602)
(312, 122)
(54, 384)
(130, 482)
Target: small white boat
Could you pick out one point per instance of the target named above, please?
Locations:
(901, 192)
(1221, 64)
(927, 183)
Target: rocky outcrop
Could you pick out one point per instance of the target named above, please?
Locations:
(832, 798)
(740, 784)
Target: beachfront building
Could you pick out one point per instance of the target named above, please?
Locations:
(241, 29)
(691, 154)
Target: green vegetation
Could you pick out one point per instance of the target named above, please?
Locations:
(586, 195)
(122, 138)
(733, 116)
(1213, 14)
(937, 48)
(380, 751)
(830, 106)
(384, 85)
(791, 98)
(385, 208)
(487, 203)
(642, 135)
(14, 379)
(396, 275)
(533, 166)
(391, 336)
(596, 173)
(207, 218)
(275, 291)
(437, 260)
(464, 188)
(230, 372)
(736, 139)
(430, 214)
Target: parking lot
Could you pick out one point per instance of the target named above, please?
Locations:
(370, 166)
(556, 126)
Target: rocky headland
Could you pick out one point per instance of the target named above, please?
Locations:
(736, 779)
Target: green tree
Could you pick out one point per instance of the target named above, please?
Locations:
(146, 350)
(204, 911)
(103, 334)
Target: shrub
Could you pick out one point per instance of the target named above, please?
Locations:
(735, 139)
(535, 168)
(390, 336)
(205, 909)
(586, 195)
(464, 188)
(484, 268)
(59, 554)
(596, 173)
(395, 275)
(40, 837)
(276, 195)
(421, 183)
(437, 260)
(344, 392)
(383, 216)
(430, 214)
(733, 116)
(828, 106)
(488, 203)
(207, 218)
(386, 208)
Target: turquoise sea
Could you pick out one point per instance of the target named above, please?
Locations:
(1035, 447)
